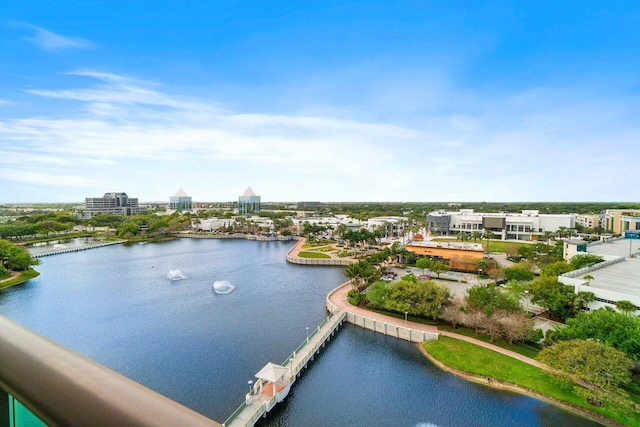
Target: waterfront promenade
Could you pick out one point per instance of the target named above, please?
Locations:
(338, 298)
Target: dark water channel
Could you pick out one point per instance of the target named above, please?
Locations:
(117, 306)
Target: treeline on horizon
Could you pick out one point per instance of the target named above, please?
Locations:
(400, 208)
(419, 208)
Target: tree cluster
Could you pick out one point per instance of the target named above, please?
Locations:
(14, 258)
(488, 309)
(604, 368)
(604, 325)
(423, 298)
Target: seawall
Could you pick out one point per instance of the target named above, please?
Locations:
(390, 328)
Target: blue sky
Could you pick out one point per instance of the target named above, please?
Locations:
(330, 101)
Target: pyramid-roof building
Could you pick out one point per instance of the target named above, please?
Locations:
(248, 192)
(181, 193)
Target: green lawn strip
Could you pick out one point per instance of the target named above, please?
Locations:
(520, 348)
(473, 359)
(26, 275)
(313, 255)
(500, 246)
(318, 247)
(494, 245)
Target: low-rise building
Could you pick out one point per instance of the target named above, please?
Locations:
(615, 279)
(589, 220)
(211, 224)
(620, 220)
(528, 225)
(393, 226)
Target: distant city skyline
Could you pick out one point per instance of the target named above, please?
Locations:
(377, 101)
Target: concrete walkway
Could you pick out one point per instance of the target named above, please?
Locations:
(339, 299)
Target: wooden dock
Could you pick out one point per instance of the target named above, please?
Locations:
(260, 401)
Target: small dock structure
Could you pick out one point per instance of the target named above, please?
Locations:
(274, 381)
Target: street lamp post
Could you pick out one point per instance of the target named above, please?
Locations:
(307, 328)
(406, 313)
(250, 382)
(526, 299)
(291, 365)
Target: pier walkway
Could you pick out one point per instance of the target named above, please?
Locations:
(76, 249)
(265, 394)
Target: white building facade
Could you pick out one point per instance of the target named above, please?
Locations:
(528, 225)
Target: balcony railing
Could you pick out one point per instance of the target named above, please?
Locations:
(63, 388)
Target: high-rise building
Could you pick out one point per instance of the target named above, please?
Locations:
(248, 202)
(180, 201)
(112, 203)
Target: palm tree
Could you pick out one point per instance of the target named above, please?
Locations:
(475, 236)
(588, 278)
(626, 307)
(488, 234)
(582, 299)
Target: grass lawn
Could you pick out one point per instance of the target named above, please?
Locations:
(322, 248)
(500, 246)
(26, 275)
(476, 360)
(520, 348)
(313, 255)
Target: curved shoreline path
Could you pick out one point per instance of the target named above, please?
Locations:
(13, 276)
(339, 299)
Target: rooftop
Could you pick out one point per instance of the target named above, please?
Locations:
(248, 193)
(620, 247)
(623, 277)
(181, 193)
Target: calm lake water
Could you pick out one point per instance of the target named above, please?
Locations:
(117, 306)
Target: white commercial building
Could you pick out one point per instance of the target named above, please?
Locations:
(528, 225)
(210, 224)
(393, 225)
(615, 279)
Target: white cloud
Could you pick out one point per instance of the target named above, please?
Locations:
(525, 146)
(53, 42)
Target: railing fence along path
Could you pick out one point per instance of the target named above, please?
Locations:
(256, 404)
